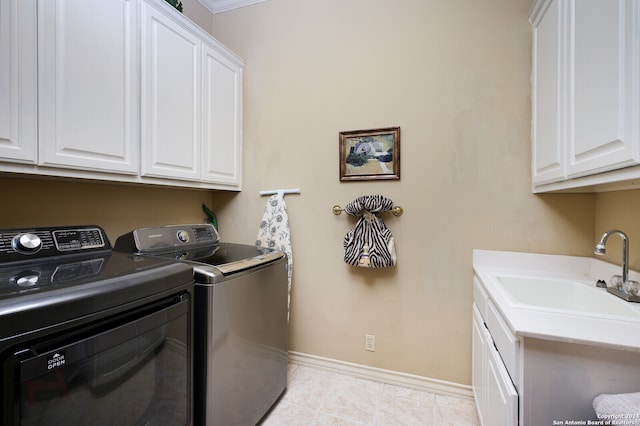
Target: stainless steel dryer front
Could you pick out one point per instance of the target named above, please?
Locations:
(240, 325)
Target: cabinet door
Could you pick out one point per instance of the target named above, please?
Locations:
(18, 96)
(547, 138)
(222, 118)
(171, 84)
(603, 86)
(88, 80)
(501, 396)
(479, 349)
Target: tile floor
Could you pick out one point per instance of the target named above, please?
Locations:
(318, 397)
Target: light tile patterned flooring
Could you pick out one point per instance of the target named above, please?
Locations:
(318, 397)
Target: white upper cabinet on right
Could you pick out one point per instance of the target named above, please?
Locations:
(586, 93)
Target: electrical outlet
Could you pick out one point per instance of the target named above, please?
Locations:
(370, 342)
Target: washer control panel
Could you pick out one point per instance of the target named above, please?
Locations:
(167, 238)
(37, 243)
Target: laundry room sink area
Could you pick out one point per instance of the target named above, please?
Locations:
(566, 296)
(555, 297)
(547, 338)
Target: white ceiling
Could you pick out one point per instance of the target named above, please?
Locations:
(218, 6)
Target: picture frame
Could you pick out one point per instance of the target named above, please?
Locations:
(370, 154)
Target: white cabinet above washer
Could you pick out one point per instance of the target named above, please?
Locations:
(171, 96)
(18, 102)
(88, 85)
(191, 102)
(125, 91)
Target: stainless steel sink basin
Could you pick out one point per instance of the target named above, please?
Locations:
(565, 295)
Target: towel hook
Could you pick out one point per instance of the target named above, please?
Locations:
(396, 211)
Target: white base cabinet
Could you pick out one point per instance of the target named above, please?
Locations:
(585, 109)
(124, 90)
(495, 395)
(524, 380)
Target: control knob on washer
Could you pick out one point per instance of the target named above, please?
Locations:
(26, 278)
(183, 236)
(27, 243)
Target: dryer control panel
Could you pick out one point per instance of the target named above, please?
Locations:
(37, 243)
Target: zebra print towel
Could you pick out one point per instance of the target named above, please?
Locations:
(370, 244)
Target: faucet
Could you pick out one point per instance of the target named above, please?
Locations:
(600, 250)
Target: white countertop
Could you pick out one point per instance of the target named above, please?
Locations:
(619, 333)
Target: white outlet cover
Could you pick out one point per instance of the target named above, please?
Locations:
(370, 342)
(219, 6)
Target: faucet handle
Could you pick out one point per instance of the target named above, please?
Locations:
(601, 284)
(616, 282)
(631, 287)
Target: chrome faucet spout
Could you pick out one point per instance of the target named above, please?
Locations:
(600, 250)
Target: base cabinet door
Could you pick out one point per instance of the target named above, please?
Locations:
(501, 406)
(18, 97)
(479, 355)
(496, 397)
(87, 85)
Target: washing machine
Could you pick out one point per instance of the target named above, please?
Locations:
(240, 322)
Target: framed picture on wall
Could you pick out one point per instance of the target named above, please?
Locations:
(370, 154)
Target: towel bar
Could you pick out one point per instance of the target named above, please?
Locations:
(396, 211)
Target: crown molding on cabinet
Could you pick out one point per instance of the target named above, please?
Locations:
(219, 6)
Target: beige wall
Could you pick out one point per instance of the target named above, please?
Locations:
(33, 202)
(454, 75)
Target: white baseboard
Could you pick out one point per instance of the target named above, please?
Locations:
(412, 381)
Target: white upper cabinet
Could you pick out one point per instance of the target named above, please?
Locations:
(222, 117)
(546, 76)
(18, 94)
(119, 90)
(585, 93)
(602, 86)
(191, 101)
(171, 101)
(88, 85)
